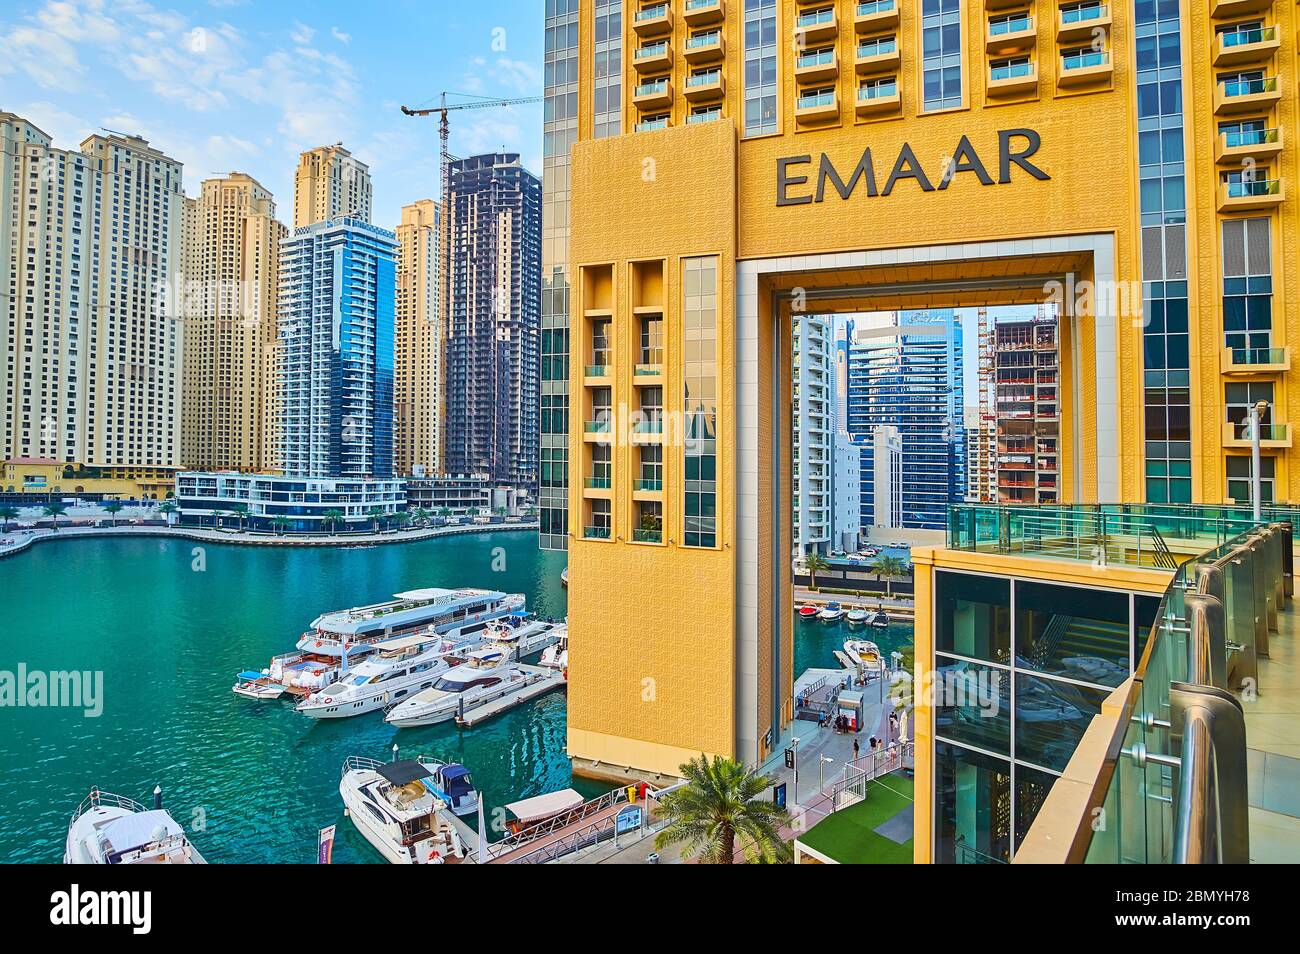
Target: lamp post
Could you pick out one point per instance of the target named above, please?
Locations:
(1257, 412)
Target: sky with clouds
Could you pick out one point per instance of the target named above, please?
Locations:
(245, 85)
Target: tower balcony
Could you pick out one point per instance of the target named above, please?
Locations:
(872, 16)
(705, 48)
(1012, 79)
(1014, 35)
(652, 95)
(1244, 47)
(700, 87)
(877, 99)
(1255, 360)
(1084, 68)
(703, 12)
(1251, 196)
(1228, 9)
(1078, 23)
(815, 25)
(814, 106)
(812, 65)
(653, 58)
(1270, 435)
(1246, 95)
(1231, 148)
(654, 20)
(877, 56)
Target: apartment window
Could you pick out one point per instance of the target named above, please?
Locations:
(1239, 398)
(652, 340)
(877, 46)
(700, 397)
(1247, 287)
(941, 67)
(650, 123)
(760, 67)
(1238, 474)
(600, 346)
(1010, 23)
(652, 467)
(599, 524)
(878, 88)
(1241, 34)
(607, 69)
(1082, 57)
(704, 114)
(1011, 68)
(822, 96)
(601, 471)
(1246, 132)
(649, 522)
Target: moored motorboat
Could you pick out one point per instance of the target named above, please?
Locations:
(110, 829)
(556, 655)
(833, 613)
(808, 610)
(397, 807)
(880, 619)
(485, 675)
(864, 655)
(396, 669)
(257, 685)
(856, 617)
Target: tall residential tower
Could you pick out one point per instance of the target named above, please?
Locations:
(492, 332)
(419, 344)
(330, 183)
(232, 247)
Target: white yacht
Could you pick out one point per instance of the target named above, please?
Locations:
(397, 809)
(556, 655)
(486, 674)
(395, 669)
(525, 635)
(864, 655)
(340, 639)
(109, 829)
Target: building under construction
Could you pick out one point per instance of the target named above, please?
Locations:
(1028, 410)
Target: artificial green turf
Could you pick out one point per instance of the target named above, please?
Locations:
(849, 835)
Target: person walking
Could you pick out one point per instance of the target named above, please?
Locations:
(855, 750)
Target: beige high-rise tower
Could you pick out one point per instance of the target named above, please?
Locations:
(419, 343)
(231, 270)
(89, 354)
(330, 182)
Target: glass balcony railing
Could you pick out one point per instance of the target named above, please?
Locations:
(1253, 356)
(649, 125)
(596, 370)
(1267, 432)
(652, 484)
(1256, 187)
(648, 427)
(1082, 14)
(700, 40)
(1010, 25)
(872, 7)
(1250, 87)
(703, 79)
(1250, 137)
(595, 533)
(815, 17)
(707, 116)
(1007, 71)
(651, 13)
(877, 91)
(647, 52)
(597, 483)
(596, 427)
(648, 536)
(815, 58)
(701, 4)
(815, 100)
(877, 48)
(653, 88)
(1084, 60)
(1233, 38)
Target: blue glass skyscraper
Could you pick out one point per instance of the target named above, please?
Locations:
(905, 372)
(336, 323)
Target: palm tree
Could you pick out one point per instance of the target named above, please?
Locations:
(887, 565)
(330, 518)
(816, 563)
(240, 513)
(279, 523)
(7, 514)
(113, 508)
(55, 510)
(421, 516)
(718, 814)
(402, 517)
(167, 508)
(375, 514)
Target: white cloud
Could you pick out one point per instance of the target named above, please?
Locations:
(340, 35)
(301, 34)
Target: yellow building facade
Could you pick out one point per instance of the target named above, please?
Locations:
(1132, 164)
(231, 267)
(419, 342)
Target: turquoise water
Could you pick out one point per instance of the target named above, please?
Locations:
(815, 642)
(169, 641)
(254, 781)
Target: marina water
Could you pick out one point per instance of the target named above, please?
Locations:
(169, 622)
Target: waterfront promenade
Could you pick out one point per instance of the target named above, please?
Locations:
(15, 541)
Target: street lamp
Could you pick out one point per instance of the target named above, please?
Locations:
(1257, 412)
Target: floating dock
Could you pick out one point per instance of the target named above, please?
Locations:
(541, 682)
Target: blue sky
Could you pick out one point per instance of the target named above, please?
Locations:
(246, 85)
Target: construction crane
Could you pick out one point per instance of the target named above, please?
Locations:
(444, 172)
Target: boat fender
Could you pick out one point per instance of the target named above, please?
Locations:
(318, 644)
(434, 857)
(327, 700)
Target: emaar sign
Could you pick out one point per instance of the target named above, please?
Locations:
(1015, 146)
